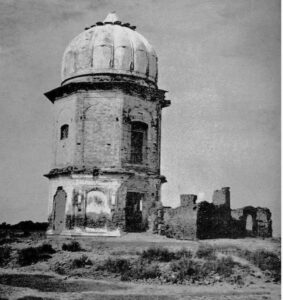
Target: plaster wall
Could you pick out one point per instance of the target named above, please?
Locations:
(99, 128)
(114, 188)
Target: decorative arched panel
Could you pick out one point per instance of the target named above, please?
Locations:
(140, 61)
(97, 203)
(152, 67)
(68, 64)
(102, 57)
(122, 58)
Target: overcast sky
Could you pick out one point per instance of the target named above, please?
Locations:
(219, 61)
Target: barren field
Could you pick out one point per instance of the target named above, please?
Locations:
(138, 266)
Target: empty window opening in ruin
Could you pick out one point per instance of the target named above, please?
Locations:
(249, 223)
(64, 132)
(138, 142)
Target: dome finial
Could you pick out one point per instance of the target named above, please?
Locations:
(111, 17)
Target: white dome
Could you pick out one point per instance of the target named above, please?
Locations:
(109, 48)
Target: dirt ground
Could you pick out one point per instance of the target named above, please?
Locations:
(40, 281)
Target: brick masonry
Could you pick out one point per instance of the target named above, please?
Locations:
(206, 220)
(96, 157)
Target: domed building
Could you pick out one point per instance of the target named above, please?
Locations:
(105, 177)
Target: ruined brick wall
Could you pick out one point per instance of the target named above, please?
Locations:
(260, 219)
(264, 222)
(181, 222)
(188, 200)
(221, 197)
(213, 221)
(206, 220)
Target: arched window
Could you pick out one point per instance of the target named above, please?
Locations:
(64, 131)
(249, 223)
(138, 142)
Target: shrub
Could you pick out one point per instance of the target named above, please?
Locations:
(158, 254)
(225, 265)
(184, 269)
(46, 248)
(206, 252)
(73, 246)
(183, 253)
(27, 256)
(80, 262)
(30, 255)
(59, 268)
(8, 240)
(5, 254)
(115, 265)
(141, 269)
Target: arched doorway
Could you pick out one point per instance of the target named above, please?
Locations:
(133, 212)
(59, 204)
(249, 221)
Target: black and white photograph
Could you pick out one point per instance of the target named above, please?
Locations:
(140, 149)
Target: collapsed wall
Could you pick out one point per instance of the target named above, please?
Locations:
(204, 220)
(252, 221)
(180, 222)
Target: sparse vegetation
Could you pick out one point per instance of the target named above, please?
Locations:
(73, 246)
(190, 270)
(115, 265)
(5, 254)
(182, 267)
(206, 251)
(27, 256)
(183, 253)
(205, 265)
(141, 269)
(81, 262)
(164, 255)
(25, 226)
(265, 260)
(158, 254)
(30, 255)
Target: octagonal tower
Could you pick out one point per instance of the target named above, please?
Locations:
(105, 176)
